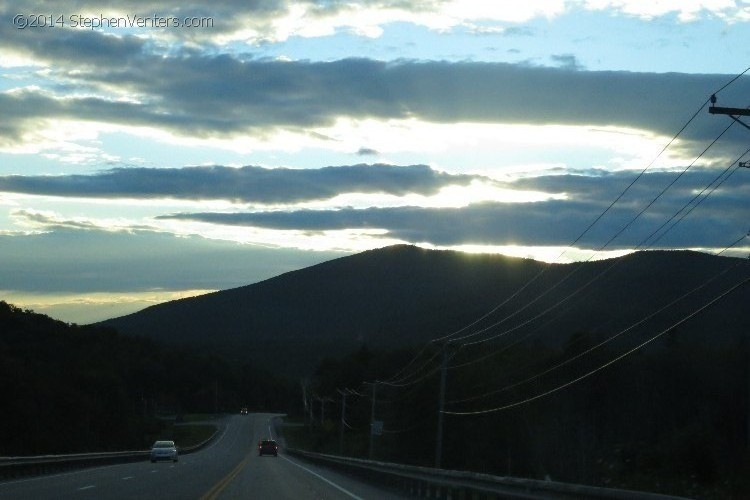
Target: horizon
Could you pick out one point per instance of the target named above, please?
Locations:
(520, 257)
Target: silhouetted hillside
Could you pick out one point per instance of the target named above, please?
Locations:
(68, 388)
(401, 296)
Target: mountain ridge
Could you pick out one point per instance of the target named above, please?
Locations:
(401, 296)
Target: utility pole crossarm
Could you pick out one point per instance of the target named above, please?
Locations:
(733, 113)
(718, 110)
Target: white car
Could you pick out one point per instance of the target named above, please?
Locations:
(164, 450)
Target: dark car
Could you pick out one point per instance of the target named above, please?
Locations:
(243, 411)
(268, 447)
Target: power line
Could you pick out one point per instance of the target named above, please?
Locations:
(602, 367)
(615, 263)
(427, 375)
(586, 230)
(619, 197)
(576, 240)
(538, 328)
(685, 214)
(400, 382)
(609, 339)
(714, 188)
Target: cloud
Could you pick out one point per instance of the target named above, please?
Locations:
(49, 221)
(367, 152)
(72, 46)
(555, 222)
(256, 98)
(71, 260)
(254, 19)
(686, 10)
(247, 184)
(261, 21)
(567, 61)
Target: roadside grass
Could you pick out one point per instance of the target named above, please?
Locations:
(190, 430)
(323, 439)
(190, 435)
(296, 435)
(198, 417)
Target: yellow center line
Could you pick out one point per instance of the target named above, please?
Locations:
(214, 492)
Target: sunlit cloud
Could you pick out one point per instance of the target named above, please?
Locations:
(630, 146)
(46, 220)
(417, 107)
(70, 141)
(686, 10)
(343, 240)
(550, 254)
(368, 19)
(450, 196)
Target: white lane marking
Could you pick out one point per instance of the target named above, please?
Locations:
(93, 469)
(154, 471)
(218, 439)
(347, 492)
(64, 474)
(87, 487)
(127, 477)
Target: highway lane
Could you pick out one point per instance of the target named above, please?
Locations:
(229, 468)
(191, 477)
(286, 477)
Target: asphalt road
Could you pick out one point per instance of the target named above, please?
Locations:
(229, 468)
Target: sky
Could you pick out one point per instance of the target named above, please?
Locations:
(158, 150)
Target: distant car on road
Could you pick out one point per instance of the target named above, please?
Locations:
(164, 450)
(243, 411)
(268, 447)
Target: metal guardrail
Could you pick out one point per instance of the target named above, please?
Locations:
(14, 467)
(426, 482)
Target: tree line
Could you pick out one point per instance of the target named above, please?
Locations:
(68, 388)
(672, 418)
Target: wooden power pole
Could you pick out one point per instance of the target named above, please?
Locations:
(734, 114)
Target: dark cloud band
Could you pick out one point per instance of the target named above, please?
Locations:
(715, 223)
(247, 184)
(199, 94)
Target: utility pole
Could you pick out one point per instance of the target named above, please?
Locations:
(441, 405)
(343, 421)
(372, 422)
(303, 384)
(216, 396)
(747, 443)
(323, 402)
(734, 113)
